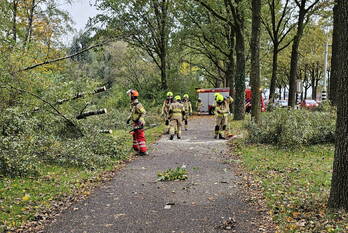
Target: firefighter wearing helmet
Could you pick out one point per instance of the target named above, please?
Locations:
(176, 113)
(216, 95)
(136, 118)
(165, 110)
(188, 109)
(221, 113)
(199, 105)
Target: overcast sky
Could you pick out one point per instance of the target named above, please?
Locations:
(80, 11)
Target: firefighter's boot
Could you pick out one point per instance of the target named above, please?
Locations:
(167, 127)
(222, 133)
(217, 128)
(186, 125)
(143, 153)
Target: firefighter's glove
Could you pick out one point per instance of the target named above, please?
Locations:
(128, 121)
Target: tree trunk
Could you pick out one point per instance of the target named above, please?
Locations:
(280, 92)
(306, 92)
(239, 110)
(164, 45)
(335, 63)
(314, 86)
(30, 24)
(231, 69)
(339, 186)
(294, 58)
(284, 93)
(14, 20)
(274, 73)
(255, 61)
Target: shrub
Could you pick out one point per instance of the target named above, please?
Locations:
(293, 128)
(26, 140)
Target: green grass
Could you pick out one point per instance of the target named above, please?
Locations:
(295, 183)
(21, 199)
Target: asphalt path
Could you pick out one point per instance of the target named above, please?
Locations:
(210, 200)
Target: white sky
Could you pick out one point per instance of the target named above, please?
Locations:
(80, 11)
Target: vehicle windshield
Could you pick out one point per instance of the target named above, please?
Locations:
(310, 102)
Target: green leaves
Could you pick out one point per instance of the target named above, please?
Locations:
(173, 174)
(294, 128)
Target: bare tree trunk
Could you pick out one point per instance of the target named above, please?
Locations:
(274, 73)
(14, 20)
(30, 24)
(339, 186)
(294, 58)
(280, 92)
(164, 44)
(335, 63)
(314, 86)
(255, 61)
(239, 111)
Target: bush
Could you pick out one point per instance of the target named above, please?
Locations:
(293, 128)
(27, 140)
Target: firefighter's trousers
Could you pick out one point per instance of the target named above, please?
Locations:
(221, 125)
(139, 140)
(175, 125)
(166, 123)
(185, 119)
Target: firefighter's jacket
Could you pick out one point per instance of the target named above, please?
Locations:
(221, 110)
(187, 107)
(199, 105)
(176, 111)
(165, 107)
(137, 112)
(229, 100)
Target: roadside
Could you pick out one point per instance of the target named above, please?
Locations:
(295, 184)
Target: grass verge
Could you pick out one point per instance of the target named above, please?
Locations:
(23, 200)
(295, 183)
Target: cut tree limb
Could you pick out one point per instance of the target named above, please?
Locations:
(81, 95)
(61, 58)
(91, 113)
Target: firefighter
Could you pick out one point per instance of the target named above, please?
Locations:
(188, 109)
(199, 105)
(138, 122)
(212, 110)
(176, 112)
(229, 100)
(165, 110)
(221, 113)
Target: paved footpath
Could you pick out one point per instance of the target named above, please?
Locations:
(134, 201)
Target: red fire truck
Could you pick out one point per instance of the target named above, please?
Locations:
(208, 99)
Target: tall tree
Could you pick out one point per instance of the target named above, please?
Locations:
(278, 27)
(339, 186)
(236, 19)
(14, 19)
(29, 31)
(304, 9)
(335, 62)
(203, 34)
(143, 24)
(255, 60)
